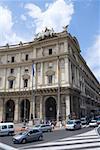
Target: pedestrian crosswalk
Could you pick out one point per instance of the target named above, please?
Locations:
(86, 141)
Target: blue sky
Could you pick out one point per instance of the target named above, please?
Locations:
(20, 20)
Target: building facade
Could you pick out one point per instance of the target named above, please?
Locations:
(47, 79)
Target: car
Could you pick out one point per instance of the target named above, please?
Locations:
(28, 136)
(73, 124)
(93, 123)
(98, 121)
(83, 121)
(44, 127)
(7, 128)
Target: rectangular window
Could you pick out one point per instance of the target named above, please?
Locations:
(11, 71)
(50, 79)
(10, 126)
(11, 84)
(12, 59)
(26, 57)
(4, 127)
(26, 83)
(50, 51)
(26, 70)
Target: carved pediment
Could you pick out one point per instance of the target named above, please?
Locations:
(26, 76)
(11, 78)
(50, 72)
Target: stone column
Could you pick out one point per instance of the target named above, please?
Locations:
(1, 110)
(67, 101)
(42, 71)
(16, 113)
(41, 101)
(58, 93)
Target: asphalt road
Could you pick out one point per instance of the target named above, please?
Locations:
(48, 136)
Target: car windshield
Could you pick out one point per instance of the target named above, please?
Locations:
(37, 126)
(93, 121)
(22, 133)
(70, 122)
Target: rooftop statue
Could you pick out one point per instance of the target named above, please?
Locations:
(46, 33)
(65, 27)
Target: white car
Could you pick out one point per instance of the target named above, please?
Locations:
(73, 124)
(93, 123)
(83, 121)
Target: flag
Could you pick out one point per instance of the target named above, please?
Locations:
(33, 69)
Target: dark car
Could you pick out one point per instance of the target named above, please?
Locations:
(28, 136)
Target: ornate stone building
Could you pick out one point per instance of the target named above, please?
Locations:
(62, 84)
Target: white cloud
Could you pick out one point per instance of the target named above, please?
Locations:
(57, 15)
(7, 35)
(23, 17)
(93, 57)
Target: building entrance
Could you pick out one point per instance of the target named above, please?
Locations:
(10, 108)
(50, 109)
(25, 110)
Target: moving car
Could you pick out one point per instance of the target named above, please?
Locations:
(83, 121)
(98, 121)
(44, 127)
(28, 136)
(73, 124)
(93, 123)
(7, 128)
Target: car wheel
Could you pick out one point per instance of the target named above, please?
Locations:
(23, 141)
(40, 138)
(9, 133)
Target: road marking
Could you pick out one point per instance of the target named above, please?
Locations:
(85, 141)
(6, 147)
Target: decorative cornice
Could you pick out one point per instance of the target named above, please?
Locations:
(11, 78)
(26, 76)
(50, 72)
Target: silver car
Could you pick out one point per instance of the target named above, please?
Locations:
(28, 136)
(44, 127)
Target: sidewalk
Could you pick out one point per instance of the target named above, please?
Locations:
(21, 127)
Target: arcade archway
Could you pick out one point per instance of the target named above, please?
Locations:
(50, 109)
(25, 110)
(10, 108)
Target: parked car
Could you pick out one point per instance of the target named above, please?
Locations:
(28, 136)
(73, 124)
(93, 123)
(44, 127)
(7, 128)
